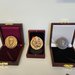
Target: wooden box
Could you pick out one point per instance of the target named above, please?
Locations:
(32, 52)
(13, 43)
(62, 57)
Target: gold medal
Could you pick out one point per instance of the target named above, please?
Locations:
(11, 42)
(36, 43)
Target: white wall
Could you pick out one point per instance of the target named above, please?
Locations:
(36, 14)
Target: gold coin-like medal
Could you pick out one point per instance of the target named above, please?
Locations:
(36, 43)
(11, 42)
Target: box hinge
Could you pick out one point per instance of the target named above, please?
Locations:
(8, 23)
(3, 63)
(68, 66)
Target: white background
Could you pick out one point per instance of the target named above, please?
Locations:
(36, 14)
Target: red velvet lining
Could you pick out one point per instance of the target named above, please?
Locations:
(7, 54)
(11, 31)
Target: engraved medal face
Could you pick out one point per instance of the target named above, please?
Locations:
(11, 42)
(36, 43)
(62, 43)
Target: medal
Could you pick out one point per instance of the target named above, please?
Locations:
(36, 43)
(62, 43)
(11, 42)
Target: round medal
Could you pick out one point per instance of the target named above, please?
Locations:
(36, 43)
(11, 42)
(62, 43)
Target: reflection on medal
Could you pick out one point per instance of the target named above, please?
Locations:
(62, 43)
(36, 43)
(11, 42)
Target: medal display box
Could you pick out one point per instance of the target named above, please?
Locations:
(36, 47)
(12, 43)
(62, 47)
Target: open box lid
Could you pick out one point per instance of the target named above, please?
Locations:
(12, 30)
(62, 30)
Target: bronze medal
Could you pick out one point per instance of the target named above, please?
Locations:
(36, 43)
(11, 42)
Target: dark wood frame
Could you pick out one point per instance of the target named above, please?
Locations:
(36, 55)
(52, 58)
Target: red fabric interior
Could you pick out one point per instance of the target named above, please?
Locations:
(7, 54)
(11, 31)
